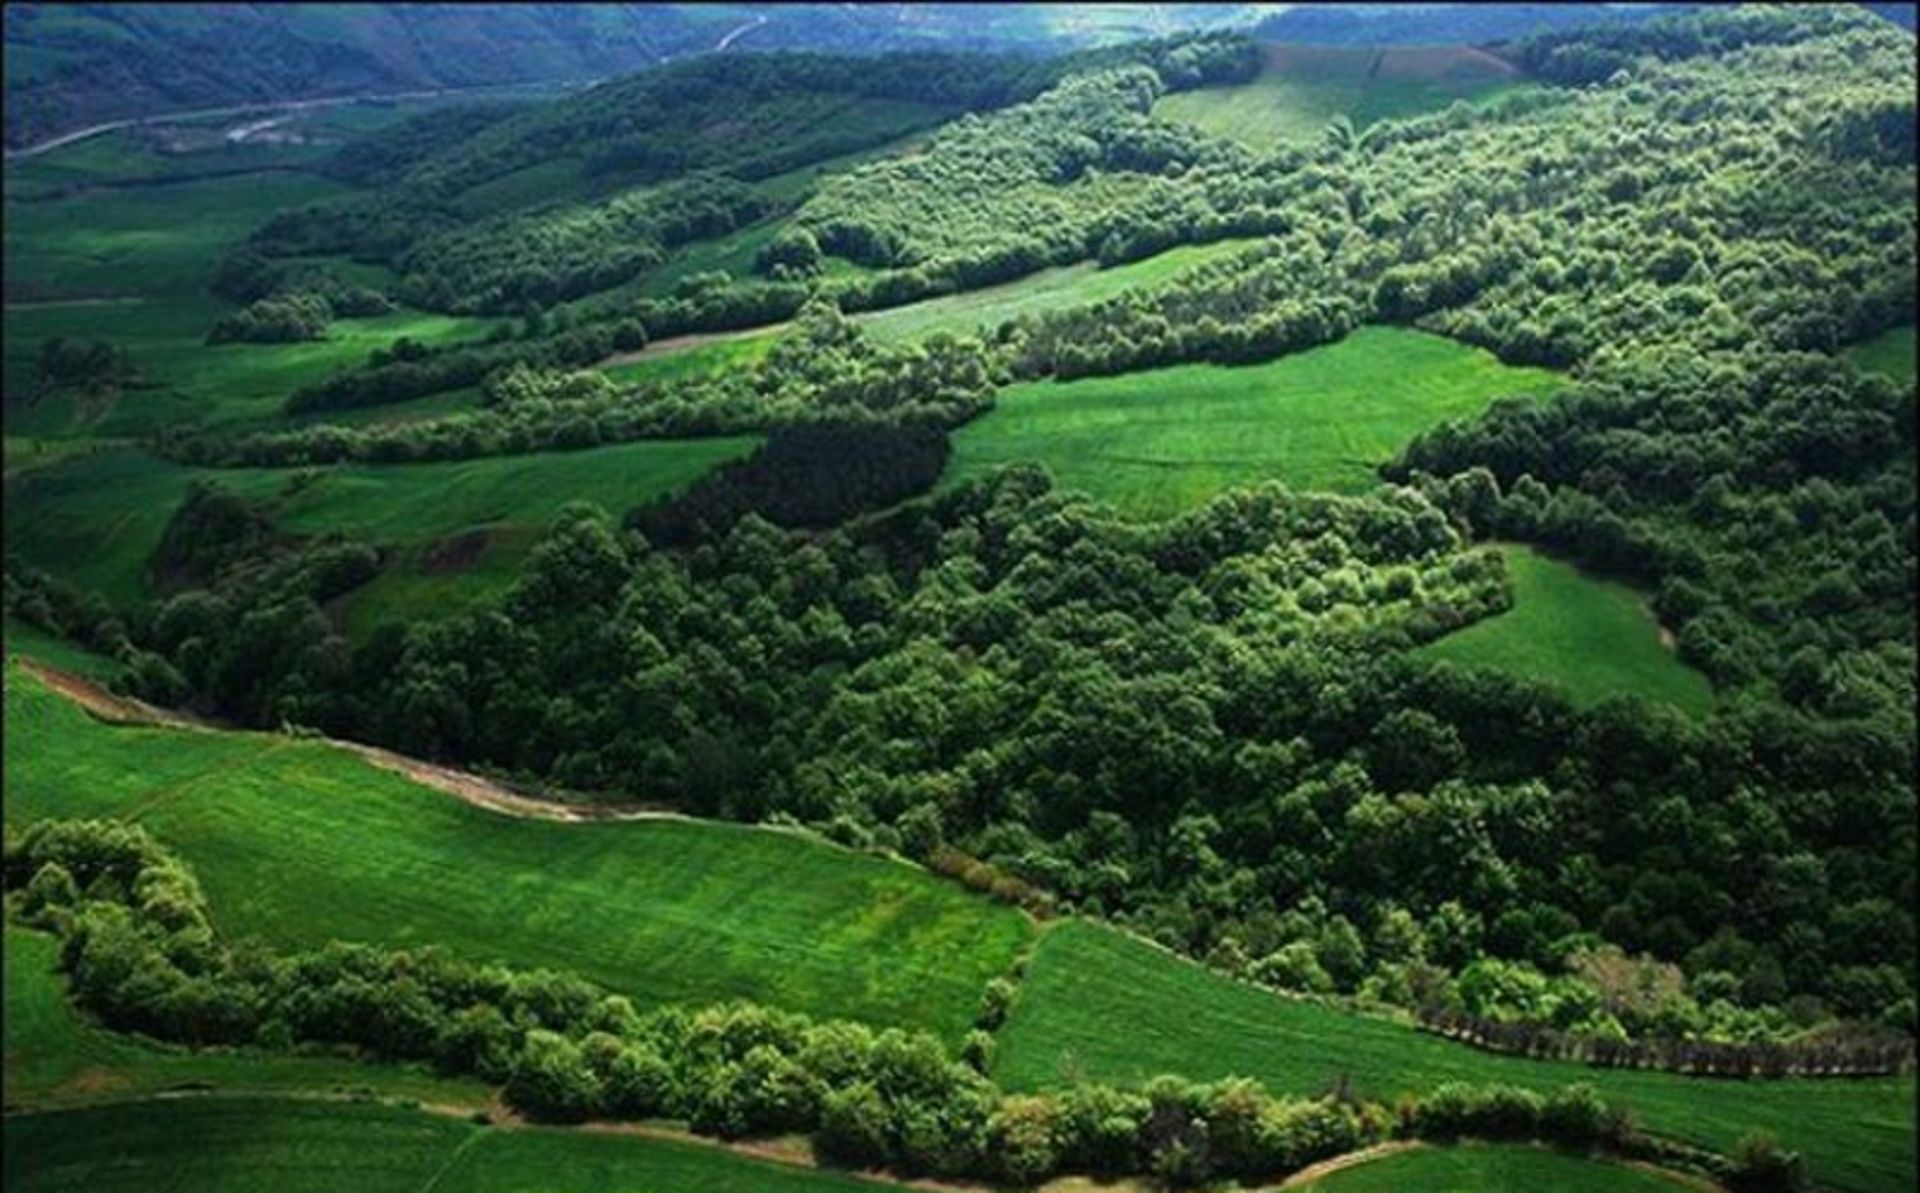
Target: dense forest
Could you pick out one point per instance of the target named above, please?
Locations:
(1217, 730)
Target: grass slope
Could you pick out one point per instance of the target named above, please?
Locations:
(1160, 442)
(22, 638)
(132, 267)
(1302, 88)
(244, 1145)
(55, 1056)
(1477, 1169)
(1103, 1005)
(299, 843)
(1891, 352)
(1048, 290)
(1595, 638)
(97, 519)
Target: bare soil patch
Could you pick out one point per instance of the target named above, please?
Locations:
(456, 553)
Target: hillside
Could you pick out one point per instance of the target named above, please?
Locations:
(1017, 598)
(69, 66)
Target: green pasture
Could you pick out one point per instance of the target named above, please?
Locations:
(1048, 290)
(247, 1145)
(22, 638)
(55, 1056)
(1891, 352)
(97, 519)
(1303, 88)
(696, 356)
(1474, 1168)
(184, 380)
(1594, 638)
(299, 842)
(1103, 1005)
(1163, 441)
(131, 267)
(152, 242)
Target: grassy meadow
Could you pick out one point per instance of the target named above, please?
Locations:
(1106, 1006)
(245, 1145)
(1472, 1168)
(56, 1057)
(665, 910)
(1037, 293)
(1300, 89)
(131, 266)
(96, 519)
(1594, 638)
(1160, 442)
(1891, 353)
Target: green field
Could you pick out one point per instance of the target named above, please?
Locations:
(55, 1057)
(250, 1145)
(132, 267)
(68, 656)
(1302, 88)
(1048, 290)
(1103, 1005)
(1891, 352)
(97, 519)
(692, 356)
(1477, 1169)
(661, 909)
(1160, 442)
(1594, 638)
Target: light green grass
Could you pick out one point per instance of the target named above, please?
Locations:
(1048, 290)
(251, 1145)
(187, 380)
(1103, 1005)
(1594, 638)
(1160, 442)
(1891, 352)
(55, 1056)
(97, 519)
(1472, 1168)
(33, 641)
(153, 250)
(1304, 88)
(696, 358)
(300, 843)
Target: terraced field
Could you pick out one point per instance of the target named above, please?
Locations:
(1159, 442)
(1594, 638)
(1106, 1006)
(665, 910)
(1478, 1169)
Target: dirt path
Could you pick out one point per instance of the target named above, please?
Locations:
(477, 790)
(676, 344)
(1313, 1172)
(104, 704)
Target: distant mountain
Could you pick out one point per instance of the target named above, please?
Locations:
(1900, 14)
(70, 65)
(1441, 24)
